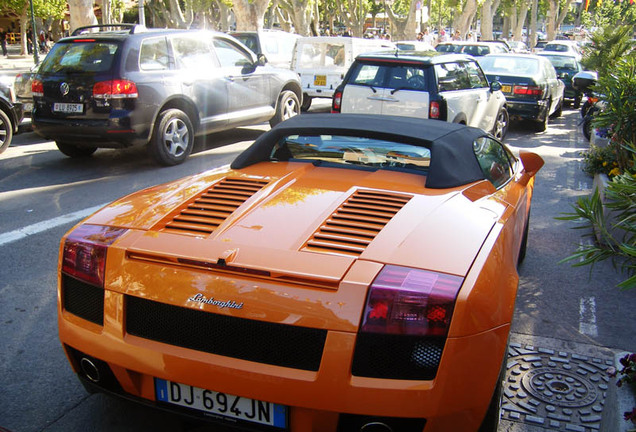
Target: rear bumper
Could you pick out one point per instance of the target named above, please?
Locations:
(456, 399)
(528, 110)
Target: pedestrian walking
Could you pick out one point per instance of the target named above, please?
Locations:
(3, 41)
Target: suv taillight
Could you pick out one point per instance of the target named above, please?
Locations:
(115, 89)
(336, 102)
(84, 255)
(410, 301)
(434, 111)
(37, 88)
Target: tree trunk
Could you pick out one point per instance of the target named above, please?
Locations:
(353, 13)
(403, 28)
(462, 22)
(82, 14)
(532, 31)
(250, 14)
(487, 13)
(522, 14)
(301, 14)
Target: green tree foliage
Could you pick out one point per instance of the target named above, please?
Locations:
(608, 44)
(41, 8)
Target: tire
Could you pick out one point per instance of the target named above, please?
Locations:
(306, 102)
(500, 129)
(524, 242)
(542, 125)
(173, 138)
(587, 127)
(585, 108)
(74, 151)
(577, 102)
(559, 111)
(493, 415)
(287, 107)
(6, 131)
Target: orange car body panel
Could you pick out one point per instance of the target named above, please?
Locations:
(472, 231)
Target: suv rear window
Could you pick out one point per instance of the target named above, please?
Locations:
(393, 76)
(80, 57)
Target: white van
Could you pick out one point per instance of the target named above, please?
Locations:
(322, 62)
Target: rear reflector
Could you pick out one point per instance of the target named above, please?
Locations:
(37, 88)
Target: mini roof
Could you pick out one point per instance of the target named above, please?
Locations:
(453, 161)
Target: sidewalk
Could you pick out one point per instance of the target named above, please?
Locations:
(15, 63)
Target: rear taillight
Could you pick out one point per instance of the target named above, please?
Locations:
(115, 89)
(410, 301)
(336, 102)
(84, 255)
(37, 88)
(528, 90)
(434, 110)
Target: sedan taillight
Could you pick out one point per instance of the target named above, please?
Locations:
(434, 111)
(528, 90)
(115, 89)
(410, 301)
(84, 255)
(37, 88)
(336, 102)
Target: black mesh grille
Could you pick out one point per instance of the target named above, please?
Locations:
(270, 343)
(82, 299)
(397, 356)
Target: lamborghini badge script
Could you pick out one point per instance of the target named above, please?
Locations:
(200, 298)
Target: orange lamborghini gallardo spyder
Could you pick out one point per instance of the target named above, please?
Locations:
(345, 273)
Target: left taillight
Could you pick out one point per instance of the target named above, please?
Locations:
(37, 88)
(84, 254)
(409, 301)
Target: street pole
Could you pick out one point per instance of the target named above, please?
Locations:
(34, 37)
(142, 16)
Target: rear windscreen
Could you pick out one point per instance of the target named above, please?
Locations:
(79, 57)
(509, 65)
(390, 75)
(320, 54)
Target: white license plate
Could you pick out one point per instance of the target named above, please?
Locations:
(68, 107)
(221, 404)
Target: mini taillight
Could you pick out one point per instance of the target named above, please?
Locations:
(115, 89)
(336, 102)
(528, 90)
(37, 88)
(410, 301)
(434, 110)
(84, 255)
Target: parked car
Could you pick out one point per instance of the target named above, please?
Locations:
(448, 87)
(530, 83)
(566, 67)
(540, 45)
(276, 45)
(563, 46)
(448, 47)
(414, 46)
(346, 273)
(24, 95)
(474, 49)
(322, 61)
(160, 88)
(518, 47)
(10, 112)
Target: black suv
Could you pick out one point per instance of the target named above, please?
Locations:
(133, 86)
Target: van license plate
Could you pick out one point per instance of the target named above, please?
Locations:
(221, 404)
(320, 80)
(68, 108)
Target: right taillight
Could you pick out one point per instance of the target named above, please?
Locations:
(336, 102)
(434, 110)
(409, 301)
(527, 90)
(115, 89)
(37, 88)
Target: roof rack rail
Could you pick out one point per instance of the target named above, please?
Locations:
(132, 28)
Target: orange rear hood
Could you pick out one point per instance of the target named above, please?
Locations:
(298, 222)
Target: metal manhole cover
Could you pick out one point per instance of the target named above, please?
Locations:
(554, 389)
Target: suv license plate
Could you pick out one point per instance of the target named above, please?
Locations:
(68, 108)
(221, 404)
(320, 80)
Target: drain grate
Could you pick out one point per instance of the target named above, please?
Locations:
(555, 389)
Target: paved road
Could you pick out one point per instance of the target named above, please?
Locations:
(565, 316)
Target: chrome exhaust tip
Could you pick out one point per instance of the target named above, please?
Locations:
(376, 427)
(90, 369)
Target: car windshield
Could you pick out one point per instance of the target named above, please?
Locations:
(509, 65)
(79, 57)
(338, 150)
(557, 48)
(563, 62)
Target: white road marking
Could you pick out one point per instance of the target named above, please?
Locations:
(21, 233)
(587, 317)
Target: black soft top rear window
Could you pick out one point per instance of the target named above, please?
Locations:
(80, 57)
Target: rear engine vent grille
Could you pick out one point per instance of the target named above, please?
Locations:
(354, 225)
(83, 299)
(263, 342)
(206, 212)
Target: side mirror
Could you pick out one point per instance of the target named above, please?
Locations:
(532, 163)
(261, 60)
(495, 86)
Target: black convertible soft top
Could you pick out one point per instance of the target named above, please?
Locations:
(453, 161)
